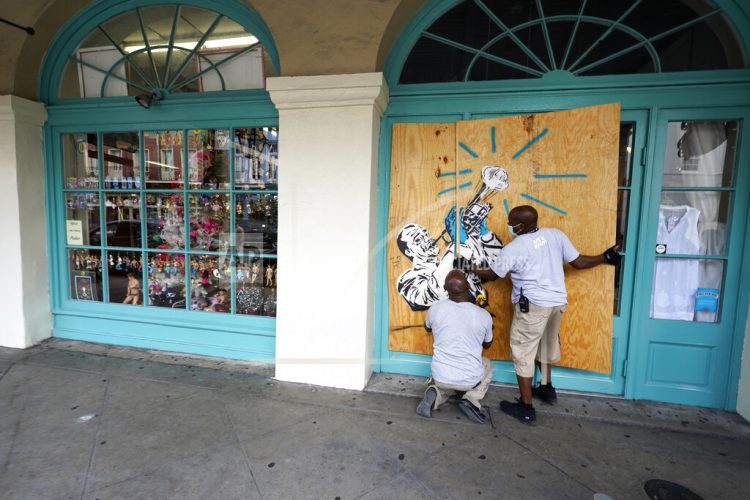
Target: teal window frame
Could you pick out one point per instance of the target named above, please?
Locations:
(642, 97)
(214, 334)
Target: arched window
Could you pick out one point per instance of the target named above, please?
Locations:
(163, 215)
(479, 40)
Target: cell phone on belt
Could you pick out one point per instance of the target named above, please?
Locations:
(523, 303)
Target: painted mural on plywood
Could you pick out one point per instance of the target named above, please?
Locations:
(452, 185)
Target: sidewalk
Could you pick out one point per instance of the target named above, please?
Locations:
(88, 421)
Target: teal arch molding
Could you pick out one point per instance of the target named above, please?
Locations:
(642, 97)
(736, 11)
(78, 28)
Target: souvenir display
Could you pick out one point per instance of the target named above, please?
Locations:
(85, 267)
(123, 215)
(256, 158)
(256, 286)
(256, 222)
(210, 283)
(124, 277)
(166, 280)
(208, 161)
(121, 160)
(165, 213)
(163, 157)
(84, 207)
(81, 161)
(151, 268)
(209, 222)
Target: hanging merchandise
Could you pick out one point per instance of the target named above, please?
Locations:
(676, 280)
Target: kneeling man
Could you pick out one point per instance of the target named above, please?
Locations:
(460, 331)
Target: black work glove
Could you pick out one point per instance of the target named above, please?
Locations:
(611, 256)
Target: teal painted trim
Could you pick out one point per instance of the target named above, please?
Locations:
(545, 29)
(610, 29)
(737, 13)
(128, 332)
(484, 104)
(405, 42)
(720, 337)
(79, 27)
(569, 84)
(740, 327)
(210, 110)
(512, 35)
(195, 49)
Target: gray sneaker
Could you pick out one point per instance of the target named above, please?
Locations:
(424, 408)
(471, 411)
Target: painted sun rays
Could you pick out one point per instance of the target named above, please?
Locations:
(516, 155)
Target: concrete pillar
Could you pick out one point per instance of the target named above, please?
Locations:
(743, 393)
(328, 154)
(24, 292)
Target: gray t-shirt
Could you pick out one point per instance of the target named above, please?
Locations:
(458, 329)
(535, 263)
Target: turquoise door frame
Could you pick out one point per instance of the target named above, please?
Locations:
(224, 335)
(641, 102)
(682, 361)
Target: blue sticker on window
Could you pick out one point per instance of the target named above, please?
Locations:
(707, 299)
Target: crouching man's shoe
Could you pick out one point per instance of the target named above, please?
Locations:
(471, 411)
(424, 408)
(545, 393)
(519, 411)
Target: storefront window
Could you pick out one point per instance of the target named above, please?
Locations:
(144, 237)
(694, 214)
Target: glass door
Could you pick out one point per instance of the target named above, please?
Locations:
(690, 261)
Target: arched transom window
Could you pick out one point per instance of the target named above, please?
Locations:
(516, 39)
(165, 49)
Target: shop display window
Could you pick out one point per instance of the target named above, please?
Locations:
(125, 277)
(209, 222)
(211, 283)
(85, 269)
(166, 280)
(693, 220)
(144, 237)
(81, 161)
(256, 285)
(208, 159)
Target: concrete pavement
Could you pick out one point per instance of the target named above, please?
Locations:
(88, 421)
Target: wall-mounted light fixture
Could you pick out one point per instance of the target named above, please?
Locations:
(145, 100)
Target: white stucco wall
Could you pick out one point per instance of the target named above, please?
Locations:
(743, 394)
(24, 294)
(328, 140)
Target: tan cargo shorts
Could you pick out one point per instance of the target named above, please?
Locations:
(535, 335)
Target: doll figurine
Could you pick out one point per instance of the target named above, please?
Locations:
(220, 302)
(134, 290)
(269, 276)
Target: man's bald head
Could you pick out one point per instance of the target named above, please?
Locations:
(457, 286)
(523, 214)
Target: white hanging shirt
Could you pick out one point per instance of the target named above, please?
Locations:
(676, 280)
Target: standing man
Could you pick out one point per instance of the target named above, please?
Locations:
(534, 260)
(460, 331)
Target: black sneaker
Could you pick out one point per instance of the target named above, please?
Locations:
(518, 410)
(424, 408)
(471, 411)
(545, 393)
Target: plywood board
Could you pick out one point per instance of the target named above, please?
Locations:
(563, 163)
(422, 166)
